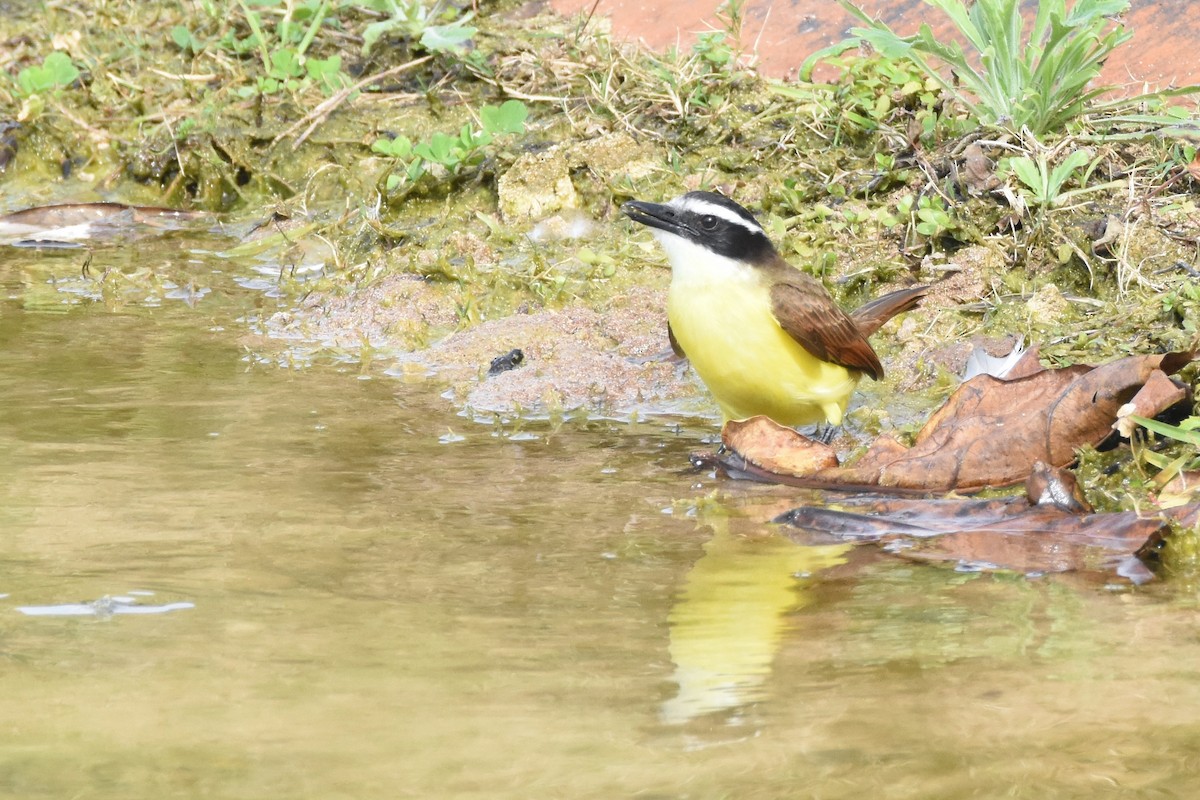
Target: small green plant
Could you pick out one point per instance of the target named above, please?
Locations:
(453, 153)
(713, 47)
(185, 41)
(875, 93)
(282, 51)
(933, 218)
(718, 48)
(1043, 183)
(1009, 80)
(326, 73)
(1183, 303)
(411, 19)
(55, 72)
(926, 215)
(508, 117)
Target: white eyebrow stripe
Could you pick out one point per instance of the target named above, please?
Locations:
(697, 206)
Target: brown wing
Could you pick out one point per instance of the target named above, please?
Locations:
(808, 314)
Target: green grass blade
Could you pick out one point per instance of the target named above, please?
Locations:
(1085, 11)
(1176, 432)
(962, 20)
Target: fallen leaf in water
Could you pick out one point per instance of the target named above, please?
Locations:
(74, 222)
(1051, 486)
(777, 448)
(990, 432)
(1010, 533)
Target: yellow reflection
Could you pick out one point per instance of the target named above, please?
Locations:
(729, 619)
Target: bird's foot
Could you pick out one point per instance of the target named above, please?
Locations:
(825, 432)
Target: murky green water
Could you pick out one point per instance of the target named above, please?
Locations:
(368, 608)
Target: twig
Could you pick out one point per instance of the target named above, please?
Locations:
(99, 135)
(198, 78)
(587, 21)
(514, 93)
(319, 114)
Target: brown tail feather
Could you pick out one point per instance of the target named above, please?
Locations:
(871, 316)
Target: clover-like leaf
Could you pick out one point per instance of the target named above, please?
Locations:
(399, 147)
(508, 117)
(55, 72)
(440, 149)
(285, 63)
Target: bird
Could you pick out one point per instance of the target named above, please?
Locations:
(765, 338)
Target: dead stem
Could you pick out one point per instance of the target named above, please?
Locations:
(319, 114)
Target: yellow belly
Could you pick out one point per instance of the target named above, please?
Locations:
(749, 364)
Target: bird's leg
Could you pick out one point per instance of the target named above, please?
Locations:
(825, 432)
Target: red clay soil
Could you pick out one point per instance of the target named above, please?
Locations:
(1162, 53)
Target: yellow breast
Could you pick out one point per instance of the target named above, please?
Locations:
(749, 364)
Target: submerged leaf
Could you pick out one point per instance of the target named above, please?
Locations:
(86, 221)
(1013, 533)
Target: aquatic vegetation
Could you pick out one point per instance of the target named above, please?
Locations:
(1172, 464)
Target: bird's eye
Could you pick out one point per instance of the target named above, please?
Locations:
(708, 222)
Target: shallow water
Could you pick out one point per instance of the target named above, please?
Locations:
(365, 595)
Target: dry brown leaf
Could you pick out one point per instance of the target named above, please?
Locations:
(1157, 395)
(991, 432)
(1193, 166)
(777, 448)
(977, 174)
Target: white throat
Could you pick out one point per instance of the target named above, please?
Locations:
(692, 264)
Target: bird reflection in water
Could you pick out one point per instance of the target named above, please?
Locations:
(731, 615)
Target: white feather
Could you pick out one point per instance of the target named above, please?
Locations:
(980, 363)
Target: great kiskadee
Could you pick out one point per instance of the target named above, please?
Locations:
(764, 337)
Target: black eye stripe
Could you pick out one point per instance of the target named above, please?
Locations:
(727, 238)
(723, 202)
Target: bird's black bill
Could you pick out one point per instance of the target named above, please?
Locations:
(653, 215)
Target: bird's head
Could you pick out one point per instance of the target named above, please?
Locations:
(704, 220)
